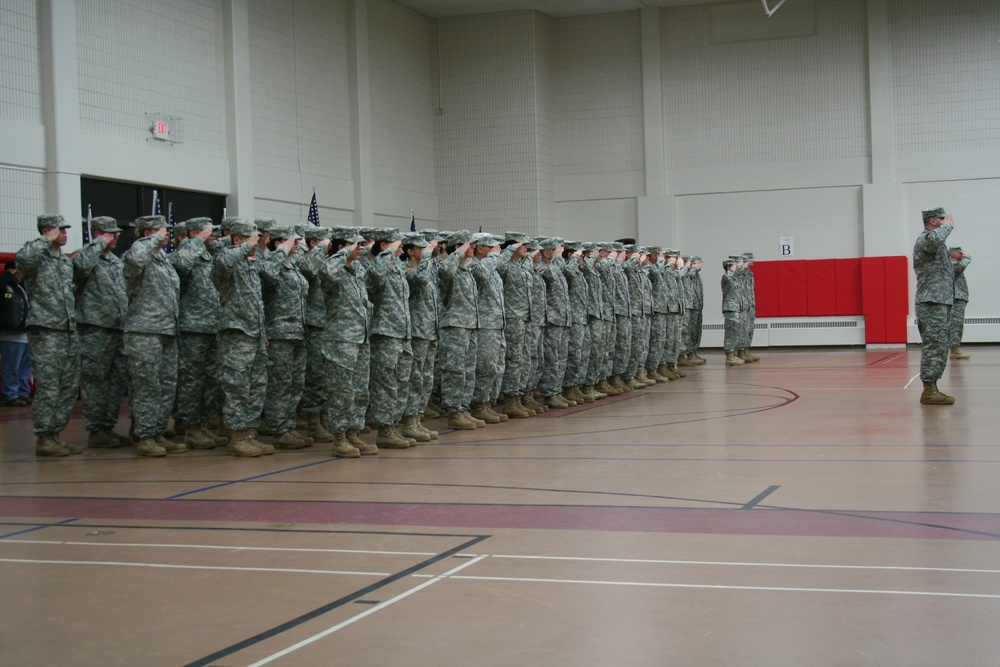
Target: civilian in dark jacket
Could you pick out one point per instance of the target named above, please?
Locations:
(15, 362)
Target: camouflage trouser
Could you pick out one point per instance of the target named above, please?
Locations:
(536, 350)
(691, 331)
(422, 377)
(286, 375)
(657, 342)
(491, 351)
(957, 327)
(751, 325)
(391, 366)
(345, 373)
(623, 344)
(578, 355)
(933, 321)
(457, 360)
(196, 373)
(675, 325)
(102, 376)
(599, 363)
(55, 356)
(748, 319)
(640, 345)
(152, 368)
(554, 362)
(732, 339)
(517, 361)
(314, 391)
(243, 376)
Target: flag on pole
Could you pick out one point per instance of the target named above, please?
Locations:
(86, 226)
(413, 221)
(170, 225)
(313, 210)
(480, 229)
(157, 209)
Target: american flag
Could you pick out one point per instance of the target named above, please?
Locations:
(313, 211)
(170, 223)
(413, 221)
(157, 209)
(86, 226)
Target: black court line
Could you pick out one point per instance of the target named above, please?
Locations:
(319, 611)
(760, 496)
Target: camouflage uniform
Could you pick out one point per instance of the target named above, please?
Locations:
(314, 391)
(491, 348)
(731, 311)
(578, 336)
(457, 353)
(557, 321)
(151, 331)
(425, 307)
(391, 353)
(285, 290)
(934, 299)
(623, 318)
(640, 305)
(658, 324)
(957, 328)
(600, 319)
(52, 337)
(536, 327)
(198, 326)
(101, 305)
(242, 349)
(517, 285)
(692, 328)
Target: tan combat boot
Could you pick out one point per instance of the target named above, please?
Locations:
(618, 383)
(933, 396)
(480, 423)
(265, 448)
(512, 409)
(206, 430)
(579, 396)
(479, 411)
(750, 355)
(593, 392)
(635, 383)
(359, 444)
(520, 403)
(529, 401)
(389, 438)
(501, 416)
(196, 438)
(643, 376)
(170, 446)
(556, 401)
(411, 429)
(240, 445)
(457, 421)
(956, 353)
(102, 440)
(673, 371)
(317, 431)
(46, 445)
(343, 449)
(698, 361)
(733, 360)
(606, 388)
(429, 431)
(149, 447)
(684, 360)
(289, 440)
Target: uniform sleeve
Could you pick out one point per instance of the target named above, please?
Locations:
(85, 261)
(30, 254)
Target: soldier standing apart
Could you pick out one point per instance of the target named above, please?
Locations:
(285, 291)
(960, 260)
(391, 353)
(424, 305)
(101, 305)
(750, 308)
(934, 299)
(491, 347)
(198, 326)
(241, 340)
(459, 321)
(52, 338)
(691, 330)
(151, 335)
(731, 311)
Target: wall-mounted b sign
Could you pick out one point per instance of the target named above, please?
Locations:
(786, 246)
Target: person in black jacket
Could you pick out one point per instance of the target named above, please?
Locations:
(15, 362)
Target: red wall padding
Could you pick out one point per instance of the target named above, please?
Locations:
(875, 287)
(765, 281)
(848, 286)
(821, 287)
(792, 295)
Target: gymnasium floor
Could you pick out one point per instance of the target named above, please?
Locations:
(804, 510)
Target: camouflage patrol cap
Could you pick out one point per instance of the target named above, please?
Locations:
(550, 242)
(572, 246)
(228, 221)
(428, 234)
(929, 213)
(386, 234)
(588, 246)
(440, 236)
(459, 237)
(243, 228)
(197, 224)
(265, 224)
(315, 233)
(52, 220)
(516, 237)
(347, 234)
(367, 232)
(417, 239)
(606, 246)
(104, 225)
(283, 233)
(653, 250)
(957, 248)
(617, 246)
(748, 255)
(631, 247)
(485, 239)
(149, 222)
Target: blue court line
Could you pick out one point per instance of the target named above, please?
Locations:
(250, 479)
(36, 528)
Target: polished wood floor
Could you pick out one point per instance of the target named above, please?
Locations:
(803, 510)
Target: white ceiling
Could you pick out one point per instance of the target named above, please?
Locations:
(442, 8)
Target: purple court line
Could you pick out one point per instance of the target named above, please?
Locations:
(760, 521)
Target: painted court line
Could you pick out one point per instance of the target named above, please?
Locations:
(911, 381)
(906, 568)
(728, 587)
(173, 566)
(368, 612)
(223, 547)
